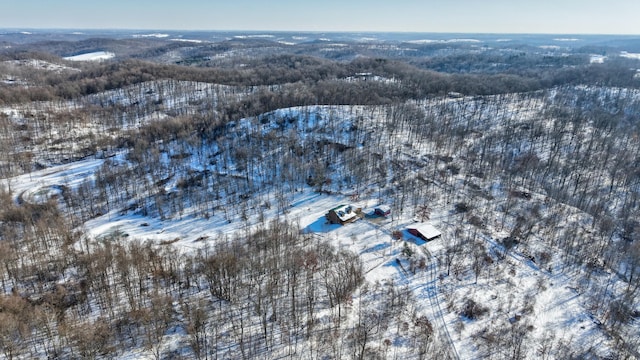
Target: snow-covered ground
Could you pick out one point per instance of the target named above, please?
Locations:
(629, 55)
(431, 41)
(519, 292)
(524, 301)
(39, 64)
(92, 56)
(152, 35)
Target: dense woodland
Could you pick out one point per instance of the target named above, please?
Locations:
(320, 77)
(548, 154)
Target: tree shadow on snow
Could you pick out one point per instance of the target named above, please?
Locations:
(377, 247)
(321, 225)
(412, 238)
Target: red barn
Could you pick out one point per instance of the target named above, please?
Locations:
(425, 232)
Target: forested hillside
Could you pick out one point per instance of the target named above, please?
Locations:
(175, 209)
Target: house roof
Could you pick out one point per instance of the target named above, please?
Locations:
(345, 212)
(428, 231)
(383, 208)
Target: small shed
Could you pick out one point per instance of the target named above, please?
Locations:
(425, 232)
(382, 210)
(342, 214)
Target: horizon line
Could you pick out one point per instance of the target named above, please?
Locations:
(311, 31)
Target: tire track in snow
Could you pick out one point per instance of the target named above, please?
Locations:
(432, 291)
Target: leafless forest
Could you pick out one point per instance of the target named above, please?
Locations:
(546, 155)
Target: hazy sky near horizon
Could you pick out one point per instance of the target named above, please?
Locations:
(466, 16)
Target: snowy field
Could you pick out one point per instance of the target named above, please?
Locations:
(92, 56)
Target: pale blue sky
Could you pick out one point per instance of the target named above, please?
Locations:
(487, 16)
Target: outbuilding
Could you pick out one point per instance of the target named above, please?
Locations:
(425, 232)
(382, 210)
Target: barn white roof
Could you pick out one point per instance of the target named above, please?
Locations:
(427, 230)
